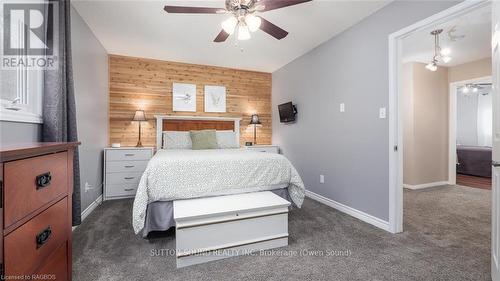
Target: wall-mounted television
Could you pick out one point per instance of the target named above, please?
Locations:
(287, 112)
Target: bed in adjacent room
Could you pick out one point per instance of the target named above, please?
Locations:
(179, 172)
(474, 160)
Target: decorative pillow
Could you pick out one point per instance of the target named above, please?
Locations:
(176, 140)
(205, 139)
(227, 139)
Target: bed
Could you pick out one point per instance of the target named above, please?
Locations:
(184, 173)
(474, 160)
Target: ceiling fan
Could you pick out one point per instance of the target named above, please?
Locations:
(244, 17)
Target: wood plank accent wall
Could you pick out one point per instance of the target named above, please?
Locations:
(138, 83)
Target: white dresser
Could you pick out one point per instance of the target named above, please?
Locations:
(123, 168)
(265, 148)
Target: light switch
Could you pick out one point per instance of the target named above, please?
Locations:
(382, 113)
(321, 179)
(342, 107)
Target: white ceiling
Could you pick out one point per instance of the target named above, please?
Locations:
(143, 29)
(475, 26)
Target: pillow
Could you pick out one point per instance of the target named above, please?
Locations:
(227, 139)
(176, 140)
(205, 139)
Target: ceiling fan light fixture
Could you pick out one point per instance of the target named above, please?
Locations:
(229, 25)
(243, 32)
(253, 22)
(243, 18)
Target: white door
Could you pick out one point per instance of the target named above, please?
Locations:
(495, 215)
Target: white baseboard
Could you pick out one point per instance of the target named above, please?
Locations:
(91, 207)
(89, 210)
(350, 211)
(425, 185)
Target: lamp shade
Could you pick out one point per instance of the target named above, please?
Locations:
(255, 120)
(139, 116)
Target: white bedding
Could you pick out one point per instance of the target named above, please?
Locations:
(182, 174)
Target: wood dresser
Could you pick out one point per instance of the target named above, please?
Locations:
(36, 182)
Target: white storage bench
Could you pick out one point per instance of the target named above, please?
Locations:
(214, 228)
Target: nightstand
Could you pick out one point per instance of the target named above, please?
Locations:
(123, 168)
(265, 148)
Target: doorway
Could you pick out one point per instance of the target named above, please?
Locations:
(396, 147)
(470, 132)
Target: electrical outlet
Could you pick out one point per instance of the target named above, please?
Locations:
(88, 187)
(342, 107)
(382, 113)
(321, 179)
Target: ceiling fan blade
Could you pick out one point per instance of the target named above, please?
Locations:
(268, 5)
(272, 29)
(193, 10)
(221, 37)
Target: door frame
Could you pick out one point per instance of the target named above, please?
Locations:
(395, 117)
(452, 124)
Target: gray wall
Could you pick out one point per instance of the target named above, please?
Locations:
(90, 74)
(16, 132)
(351, 148)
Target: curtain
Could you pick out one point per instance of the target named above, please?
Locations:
(467, 119)
(484, 120)
(59, 110)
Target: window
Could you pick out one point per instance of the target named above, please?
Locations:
(21, 87)
(21, 95)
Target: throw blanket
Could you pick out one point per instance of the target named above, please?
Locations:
(182, 174)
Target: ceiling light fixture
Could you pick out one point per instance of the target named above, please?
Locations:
(446, 59)
(473, 87)
(243, 32)
(432, 66)
(244, 16)
(445, 52)
(440, 54)
(245, 22)
(229, 25)
(253, 22)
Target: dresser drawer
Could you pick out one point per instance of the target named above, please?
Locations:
(119, 190)
(128, 154)
(25, 189)
(56, 267)
(126, 166)
(23, 254)
(124, 178)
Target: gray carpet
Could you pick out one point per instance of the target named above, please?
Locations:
(447, 237)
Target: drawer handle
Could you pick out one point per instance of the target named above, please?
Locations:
(129, 154)
(43, 237)
(130, 178)
(43, 180)
(129, 166)
(128, 189)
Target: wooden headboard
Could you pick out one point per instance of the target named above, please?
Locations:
(188, 123)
